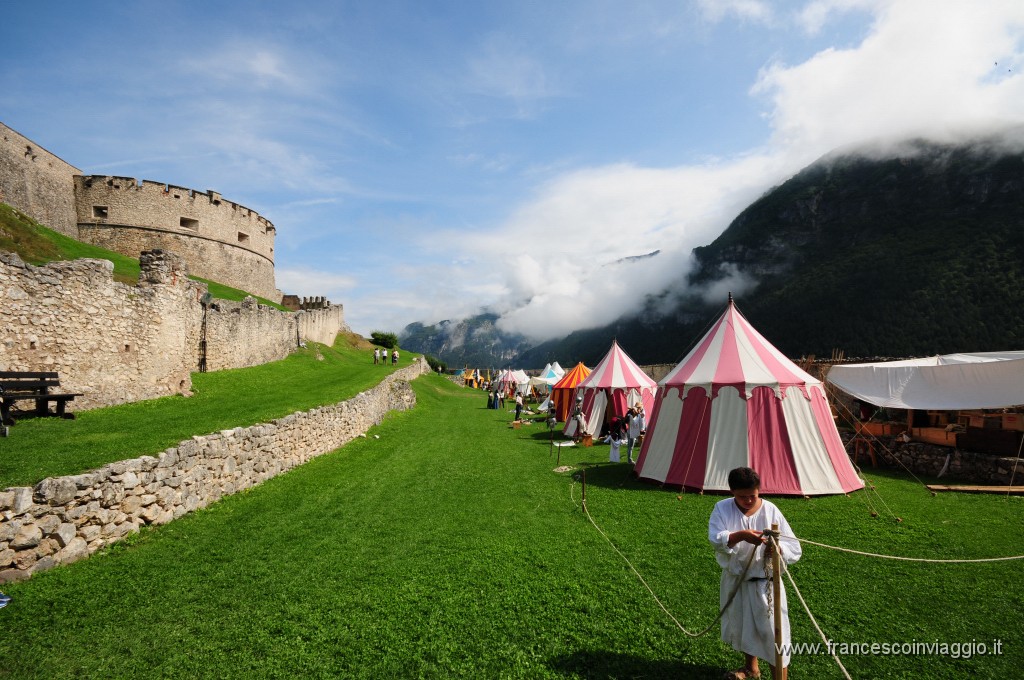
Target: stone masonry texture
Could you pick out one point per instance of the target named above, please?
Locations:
(116, 343)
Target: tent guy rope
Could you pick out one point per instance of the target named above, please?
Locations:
(650, 590)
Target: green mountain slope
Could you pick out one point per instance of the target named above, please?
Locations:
(916, 254)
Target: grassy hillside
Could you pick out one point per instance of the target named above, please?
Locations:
(448, 548)
(317, 375)
(37, 244)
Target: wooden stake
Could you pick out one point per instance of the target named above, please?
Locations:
(777, 601)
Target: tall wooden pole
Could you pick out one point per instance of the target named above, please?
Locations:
(777, 601)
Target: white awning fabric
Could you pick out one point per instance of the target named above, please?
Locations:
(941, 383)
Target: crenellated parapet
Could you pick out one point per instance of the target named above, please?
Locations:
(221, 240)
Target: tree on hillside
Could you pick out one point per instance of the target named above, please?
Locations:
(384, 339)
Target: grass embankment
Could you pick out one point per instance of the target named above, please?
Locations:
(448, 548)
(37, 244)
(48, 447)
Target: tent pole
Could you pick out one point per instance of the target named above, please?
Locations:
(778, 671)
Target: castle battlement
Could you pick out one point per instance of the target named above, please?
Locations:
(222, 240)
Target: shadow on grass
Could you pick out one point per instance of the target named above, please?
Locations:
(603, 664)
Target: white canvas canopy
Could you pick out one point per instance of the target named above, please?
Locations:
(942, 383)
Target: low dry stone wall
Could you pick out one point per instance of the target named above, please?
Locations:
(63, 519)
(965, 467)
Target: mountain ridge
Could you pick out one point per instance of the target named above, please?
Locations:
(915, 253)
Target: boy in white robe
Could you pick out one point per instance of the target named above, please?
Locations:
(735, 529)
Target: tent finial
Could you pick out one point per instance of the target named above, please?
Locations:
(730, 297)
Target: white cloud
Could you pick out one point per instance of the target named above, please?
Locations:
(238, 65)
(558, 262)
(814, 15)
(506, 70)
(921, 71)
(924, 68)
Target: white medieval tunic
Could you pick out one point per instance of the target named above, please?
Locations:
(748, 624)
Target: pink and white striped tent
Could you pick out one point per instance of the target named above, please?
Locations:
(737, 401)
(616, 383)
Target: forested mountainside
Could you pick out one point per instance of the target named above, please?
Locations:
(917, 253)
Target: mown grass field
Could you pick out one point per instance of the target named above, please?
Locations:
(448, 547)
(310, 377)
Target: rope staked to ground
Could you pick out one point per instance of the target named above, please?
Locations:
(786, 571)
(814, 622)
(625, 559)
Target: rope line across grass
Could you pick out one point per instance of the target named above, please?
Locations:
(908, 559)
(625, 559)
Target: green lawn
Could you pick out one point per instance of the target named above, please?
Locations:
(443, 545)
(48, 447)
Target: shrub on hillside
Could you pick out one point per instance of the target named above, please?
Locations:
(386, 340)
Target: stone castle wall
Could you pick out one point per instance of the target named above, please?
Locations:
(221, 240)
(116, 343)
(37, 183)
(110, 341)
(64, 519)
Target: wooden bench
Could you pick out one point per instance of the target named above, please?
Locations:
(32, 386)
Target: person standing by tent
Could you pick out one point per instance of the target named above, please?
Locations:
(736, 530)
(519, 405)
(577, 415)
(636, 427)
(616, 439)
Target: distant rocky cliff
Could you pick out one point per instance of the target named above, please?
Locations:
(474, 342)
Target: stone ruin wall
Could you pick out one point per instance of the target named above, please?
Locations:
(117, 343)
(108, 340)
(221, 240)
(64, 519)
(37, 183)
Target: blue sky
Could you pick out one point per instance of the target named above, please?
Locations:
(422, 160)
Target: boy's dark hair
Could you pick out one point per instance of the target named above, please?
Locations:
(744, 478)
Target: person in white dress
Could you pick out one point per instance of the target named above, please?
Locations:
(736, 530)
(637, 427)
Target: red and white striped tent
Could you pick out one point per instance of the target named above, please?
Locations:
(736, 401)
(616, 383)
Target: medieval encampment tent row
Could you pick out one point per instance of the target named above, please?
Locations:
(615, 384)
(735, 400)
